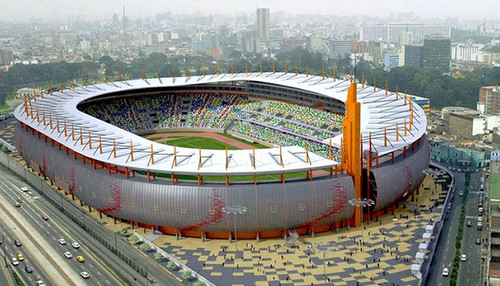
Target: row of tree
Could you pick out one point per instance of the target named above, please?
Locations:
(443, 90)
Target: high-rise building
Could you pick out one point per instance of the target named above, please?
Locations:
(489, 100)
(6, 57)
(437, 53)
(339, 49)
(467, 52)
(413, 56)
(403, 33)
(434, 53)
(315, 43)
(391, 60)
(263, 24)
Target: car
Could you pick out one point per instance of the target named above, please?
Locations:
(62, 241)
(469, 223)
(28, 268)
(15, 262)
(480, 219)
(76, 245)
(463, 257)
(17, 204)
(44, 217)
(85, 274)
(80, 258)
(480, 204)
(20, 256)
(446, 272)
(478, 241)
(17, 243)
(68, 254)
(461, 193)
(24, 189)
(40, 283)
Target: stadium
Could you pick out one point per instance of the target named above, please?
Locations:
(301, 166)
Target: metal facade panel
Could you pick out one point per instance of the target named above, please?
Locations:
(269, 206)
(185, 206)
(397, 180)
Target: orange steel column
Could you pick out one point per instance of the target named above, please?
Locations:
(352, 145)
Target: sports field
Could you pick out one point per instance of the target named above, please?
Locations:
(214, 141)
(203, 140)
(196, 142)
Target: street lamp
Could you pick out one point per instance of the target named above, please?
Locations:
(332, 247)
(364, 202)
(234, 210)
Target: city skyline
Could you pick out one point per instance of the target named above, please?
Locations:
(18, 11)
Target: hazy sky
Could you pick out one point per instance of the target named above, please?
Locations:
(26, 9)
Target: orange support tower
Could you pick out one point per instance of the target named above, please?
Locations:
(352, 146)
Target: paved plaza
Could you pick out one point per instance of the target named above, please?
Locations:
(381, 253)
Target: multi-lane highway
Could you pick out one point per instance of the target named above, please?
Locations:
(39, 234)
(91, 234)
(473, 237)
(445, 252)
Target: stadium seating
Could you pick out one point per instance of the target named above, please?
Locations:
(277, 123)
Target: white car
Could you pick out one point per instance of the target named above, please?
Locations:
(480, 219)
(463, 257)
(40, 283)
(15, 262)
(85, 274)
(446, 272)
(62, 241)
(68, 255)
(75, 245)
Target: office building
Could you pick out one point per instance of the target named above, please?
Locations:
(402, 33)
(263, 24)
(413, 56)
(437, 53)
(489, 100)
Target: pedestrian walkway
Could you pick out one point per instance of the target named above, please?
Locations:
(381, 253)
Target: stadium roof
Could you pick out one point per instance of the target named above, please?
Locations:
(380, 114)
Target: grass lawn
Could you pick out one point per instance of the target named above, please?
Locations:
(256, 145)
(494, 185)
(6, 109)
(195, 142)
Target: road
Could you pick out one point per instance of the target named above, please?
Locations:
(14, 227)
(45, 235)
(94, 235)
(469, 272)
(445, 251)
